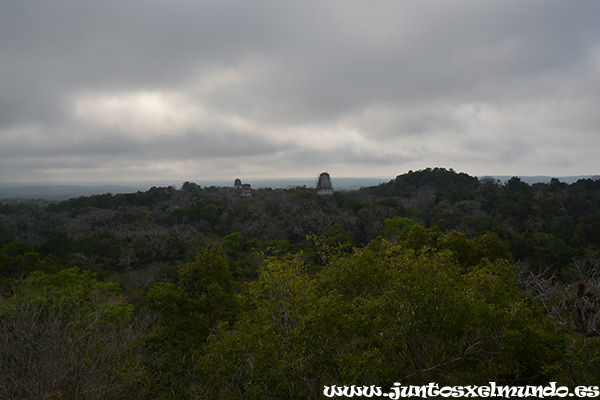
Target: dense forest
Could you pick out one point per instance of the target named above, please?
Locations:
(202, 293)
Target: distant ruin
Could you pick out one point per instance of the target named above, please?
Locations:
(324, 188)
(244, 190)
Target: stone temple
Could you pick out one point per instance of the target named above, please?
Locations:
(324, 188)
(244, 190)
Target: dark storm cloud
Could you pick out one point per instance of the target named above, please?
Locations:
(381, 84)
(113, 145)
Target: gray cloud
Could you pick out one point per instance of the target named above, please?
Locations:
(371, 88)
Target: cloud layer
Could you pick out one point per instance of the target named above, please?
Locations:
(144, 90)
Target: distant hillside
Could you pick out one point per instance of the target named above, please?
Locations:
(57, 192)
(64, 192)
(545, 179)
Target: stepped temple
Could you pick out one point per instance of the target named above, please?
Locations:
(324, 188)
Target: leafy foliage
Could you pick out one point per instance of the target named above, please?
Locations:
(383, 314)
(189, 309)
(68, 335)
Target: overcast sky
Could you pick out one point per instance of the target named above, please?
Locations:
(142, 90)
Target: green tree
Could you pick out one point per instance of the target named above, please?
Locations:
(587, 232)
(68, 336)
(468, 252)
(382, 314)
(393, 226)
(197, 304)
